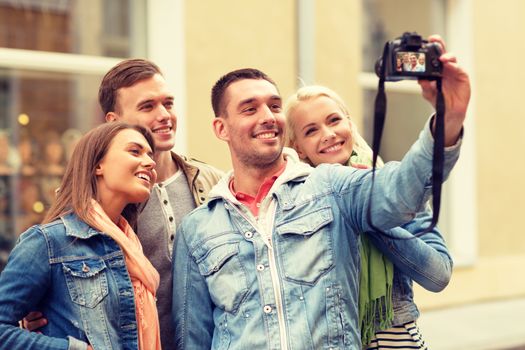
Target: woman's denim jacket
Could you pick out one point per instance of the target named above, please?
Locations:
(77, 277)
(424, 259)
(235, 289)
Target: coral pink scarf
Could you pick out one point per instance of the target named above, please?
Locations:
(144, 277)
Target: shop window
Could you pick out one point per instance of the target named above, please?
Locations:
(43, 115)
(112, 28)
(385, 20)
(53, 56)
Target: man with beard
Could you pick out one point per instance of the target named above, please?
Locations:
(272, 260)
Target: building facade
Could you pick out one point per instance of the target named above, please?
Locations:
(53, 54)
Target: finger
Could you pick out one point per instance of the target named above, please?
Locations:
(435, 38)
(34, 325)
(448, 57)
(427, 84)
(34, 315)
(428, 89)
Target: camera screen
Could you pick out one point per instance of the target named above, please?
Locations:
(408, 61)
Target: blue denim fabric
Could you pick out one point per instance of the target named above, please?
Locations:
(233, 290)
(424, 259)
(78, 279)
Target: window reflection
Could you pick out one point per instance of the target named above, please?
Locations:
(384, 20)
(43, 117)
(407, 113)
(95, 27)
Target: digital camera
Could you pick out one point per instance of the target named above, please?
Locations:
(411, 57)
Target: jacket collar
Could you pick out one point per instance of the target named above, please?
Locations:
(75, 227)
(295, 171)
(189, 170)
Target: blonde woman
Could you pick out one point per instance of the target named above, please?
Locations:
(320, 130)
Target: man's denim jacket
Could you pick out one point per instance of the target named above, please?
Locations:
(77, 277)
(289, 279)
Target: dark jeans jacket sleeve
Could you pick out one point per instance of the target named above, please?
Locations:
(425, 259)
(23, 284)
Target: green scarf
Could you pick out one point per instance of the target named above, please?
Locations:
(375, 291)
(376, 311)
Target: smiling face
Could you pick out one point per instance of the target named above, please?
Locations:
(421, 59)
(150, 104)
(413, 60)
(126, 174)
(323, 133)
(252, 124)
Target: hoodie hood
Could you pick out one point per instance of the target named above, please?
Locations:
(295, 169)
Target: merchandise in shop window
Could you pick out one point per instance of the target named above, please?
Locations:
(26, 151)
(69, 139)
(31, 210)
(7, 156)
(53, 160)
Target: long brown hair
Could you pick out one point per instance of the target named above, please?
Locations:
(79, 183)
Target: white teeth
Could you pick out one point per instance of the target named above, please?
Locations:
(162, 130)
(332, 148)
(144, 177)
(267, 135)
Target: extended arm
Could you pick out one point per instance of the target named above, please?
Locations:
(401, 190)
(23, 284)
(192, 308)
(424, 259)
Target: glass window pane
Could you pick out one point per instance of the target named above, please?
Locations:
(384, 20)
(42, 115)
(406, 115)
(113, 28)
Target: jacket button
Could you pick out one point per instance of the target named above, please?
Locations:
(267, 309)
(85, 268)
(260, 267)
(248, 234)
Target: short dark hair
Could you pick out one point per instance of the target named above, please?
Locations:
(218, 90)
(124, 74)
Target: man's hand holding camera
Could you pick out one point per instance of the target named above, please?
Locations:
(456, 92)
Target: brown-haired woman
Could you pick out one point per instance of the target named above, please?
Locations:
(83, 267)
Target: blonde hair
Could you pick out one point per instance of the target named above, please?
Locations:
(307, 93)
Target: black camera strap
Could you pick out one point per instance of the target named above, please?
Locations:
(438, 152)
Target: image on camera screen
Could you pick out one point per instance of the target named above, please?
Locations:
(408, 61)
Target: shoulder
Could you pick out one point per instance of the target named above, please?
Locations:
(329, 171)
(33, 242)
(53, 228)
(204, 168)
